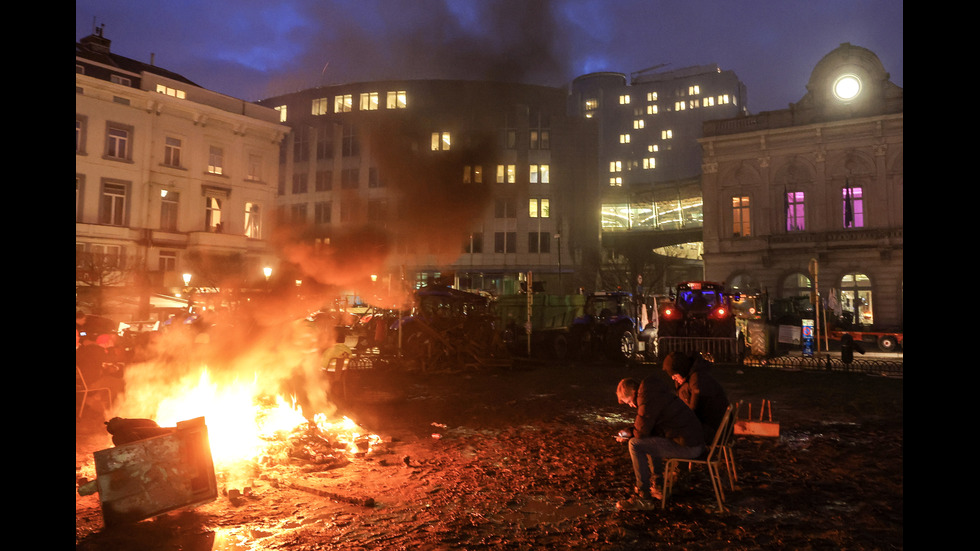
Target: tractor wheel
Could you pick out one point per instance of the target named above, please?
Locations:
(887, 343)
(622, 344)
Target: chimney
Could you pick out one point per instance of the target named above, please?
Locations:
(95, 42)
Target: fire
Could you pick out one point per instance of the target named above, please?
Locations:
(242, 420)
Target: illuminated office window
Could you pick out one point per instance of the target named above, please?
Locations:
(616, 181)
(624, 99)
(615, 166)
(651, 96)
(624, 138)
(649, 163)
(369, 101)
(666, 134)
(343, 103)
(321, 106)
(441, 141)
(540, 174)
(282, 112)
(638, 124)
(724, 99)
(652, 109)
(694, 90)
(506, 174)
(397, 99)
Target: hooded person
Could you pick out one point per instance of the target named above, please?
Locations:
(697, 388)
(664, 427)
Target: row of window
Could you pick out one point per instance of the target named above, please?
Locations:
(506, 242)
(119, 147)
(693, 90)
(852, 209)
(115, 202)
(507, 174)
(344, 103)
(377, 210)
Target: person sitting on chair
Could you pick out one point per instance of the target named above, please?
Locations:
(664, 427)
(698, 389)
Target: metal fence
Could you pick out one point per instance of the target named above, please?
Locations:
(884, 367)
(719, 349)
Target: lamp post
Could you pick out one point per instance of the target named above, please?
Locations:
(187, 289)
(267, 272)
(558, 237)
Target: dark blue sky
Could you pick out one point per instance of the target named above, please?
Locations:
(253, 49)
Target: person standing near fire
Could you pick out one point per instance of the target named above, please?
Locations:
(697, 388)
(664, 427)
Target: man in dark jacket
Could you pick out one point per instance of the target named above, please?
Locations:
(698, 389)
(664, 427)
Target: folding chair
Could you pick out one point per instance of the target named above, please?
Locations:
(713, 458)
(727, 448)
(81, 387)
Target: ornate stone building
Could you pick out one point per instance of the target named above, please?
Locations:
(813, 194)
(170, 179)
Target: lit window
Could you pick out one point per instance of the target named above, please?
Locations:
(369, 101)
(680, 105)
(397, 99)
(615, 166)
(666, 134)
(694, 103)
(638, 124)
(539, 208)
(253, 222)
(172, 92)
(212, 214)
(855, 298)
(216, 161)
(472, 174)
(616, 181)
(694, 90)
(113, 208)
(441, 141)
(795, 219)
(506, 174)
(540, 174)
(724, 99)
(282, 113)
(847, 87)
(343, 103)
(709, 101)
(321, 106)
(171, 152)
(590, 106)
(652, 109)
(653, 148)
(624, 138)
(740, 217)
(853, 207)
(649, 163)
(624, 99)
(651, 96)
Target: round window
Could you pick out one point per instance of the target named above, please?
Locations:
(847, 87)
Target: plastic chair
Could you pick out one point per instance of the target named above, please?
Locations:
(713, 459)
(81, 387)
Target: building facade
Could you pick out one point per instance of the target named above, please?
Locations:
(649, 161)
(812, 196)
(170, 179)
(473, 183)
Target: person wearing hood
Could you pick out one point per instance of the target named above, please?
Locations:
(697, 388)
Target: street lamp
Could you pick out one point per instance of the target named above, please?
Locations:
(267, 271)
(190, 296)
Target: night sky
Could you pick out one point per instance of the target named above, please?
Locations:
(254, 49)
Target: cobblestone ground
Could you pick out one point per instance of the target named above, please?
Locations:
(524, 459)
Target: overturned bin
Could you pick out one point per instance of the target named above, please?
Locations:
(169, 470)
